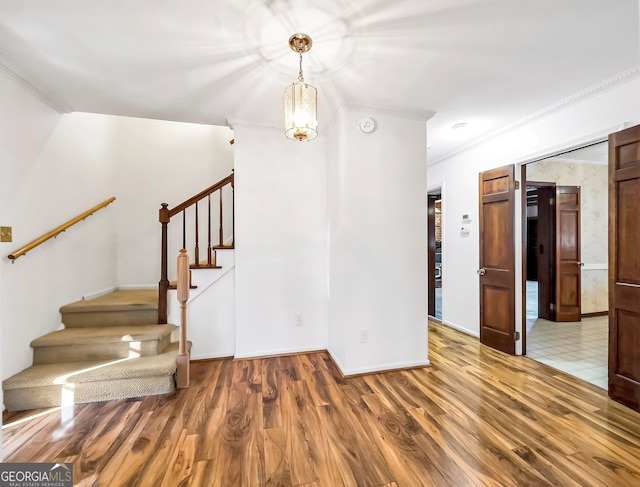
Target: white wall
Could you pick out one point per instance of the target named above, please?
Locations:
(53, 168)
(280, 252)
(162, 162)
(377, 242)
(210, 309)
(582, 121)
(25, 127)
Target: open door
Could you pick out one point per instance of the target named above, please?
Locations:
(568, 265)
(624, 267)
(545, 251)
(497, 259)
(431, 253)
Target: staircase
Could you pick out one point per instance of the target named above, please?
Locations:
(119, 345)
(112, 347)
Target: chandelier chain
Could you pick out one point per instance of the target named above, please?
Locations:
(300, 76)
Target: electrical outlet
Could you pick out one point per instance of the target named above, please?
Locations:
(364, 335)
(299, 320)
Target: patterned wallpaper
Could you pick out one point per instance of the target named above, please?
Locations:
(592, 179)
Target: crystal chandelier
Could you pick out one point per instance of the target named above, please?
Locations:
(301, 99)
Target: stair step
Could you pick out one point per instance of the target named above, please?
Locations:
(101, 343)
(204, 265)
(174, 285)
(42, 386)
(119, 308)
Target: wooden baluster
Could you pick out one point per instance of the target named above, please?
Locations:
(184, 229)
(209, 231)
(163, 285)
(220, 236)
(197, 249)
(183, 295)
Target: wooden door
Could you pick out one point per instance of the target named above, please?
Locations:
(624, 267)
(568, 265)
(497, 259)
(545, 251)
(431, 254)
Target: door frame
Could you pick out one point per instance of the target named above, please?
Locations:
(569, 145)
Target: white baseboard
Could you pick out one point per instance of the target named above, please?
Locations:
(108, 290)
(466, 331)
(97, 294)
(378, 368)
(285, 351)
(211, 357)
(137, 286)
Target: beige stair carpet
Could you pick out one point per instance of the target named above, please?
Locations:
(111, 348)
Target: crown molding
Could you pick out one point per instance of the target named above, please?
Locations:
(423, 115)
(232, 123)
(31, 88)
(594, 90)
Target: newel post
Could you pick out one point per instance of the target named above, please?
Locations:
(183, 295)
(163, 285)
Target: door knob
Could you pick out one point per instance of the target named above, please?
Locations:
(481, 272)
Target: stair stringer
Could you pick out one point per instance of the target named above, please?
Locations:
(210, 309)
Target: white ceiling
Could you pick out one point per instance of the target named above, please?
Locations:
(487, 63)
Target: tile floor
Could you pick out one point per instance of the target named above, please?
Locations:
(580, 349)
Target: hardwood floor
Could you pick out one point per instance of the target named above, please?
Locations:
(476, 417)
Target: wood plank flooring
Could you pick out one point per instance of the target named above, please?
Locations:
(476, 417)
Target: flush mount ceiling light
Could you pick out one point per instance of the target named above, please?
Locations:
(301, 99)
(460, 126)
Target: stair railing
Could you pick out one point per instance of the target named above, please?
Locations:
(165, 218)
(58, 230)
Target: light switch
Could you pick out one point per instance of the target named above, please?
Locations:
(5, 234)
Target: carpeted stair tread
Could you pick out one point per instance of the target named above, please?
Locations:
(135, 299)
(112, 347)
(104, 334)
(94, 371)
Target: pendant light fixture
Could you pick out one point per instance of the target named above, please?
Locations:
(300, 99)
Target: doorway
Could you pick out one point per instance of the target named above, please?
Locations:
(540, 252)
(434, 261)
(568, 335)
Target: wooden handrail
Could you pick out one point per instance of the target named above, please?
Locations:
(56, 231)
(194, 199)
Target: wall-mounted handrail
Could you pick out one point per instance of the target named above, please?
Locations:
(165, 216)
(56, 231)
